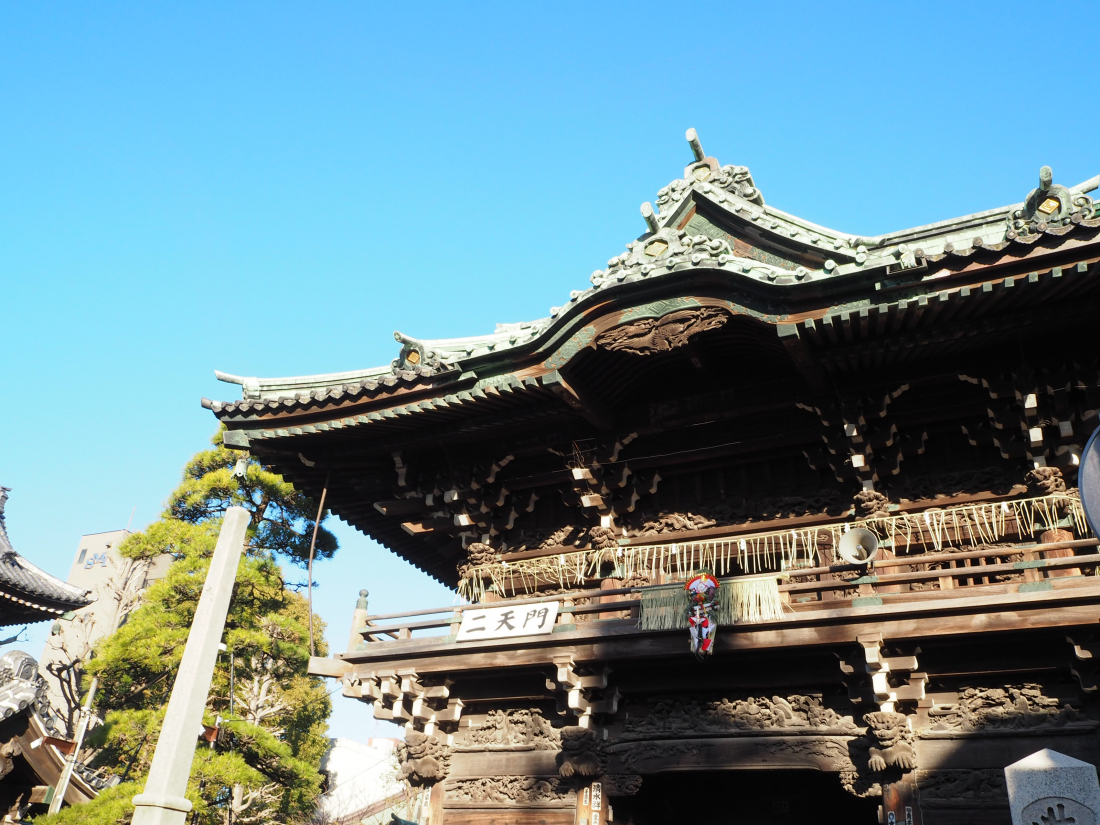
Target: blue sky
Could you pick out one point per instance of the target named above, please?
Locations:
(273, 188)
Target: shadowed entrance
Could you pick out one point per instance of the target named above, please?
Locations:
(754, 797)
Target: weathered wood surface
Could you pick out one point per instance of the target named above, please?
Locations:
(504, 763)
(622, 639)
(453, 814)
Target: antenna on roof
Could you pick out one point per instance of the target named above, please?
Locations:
(650, 216)
(696, 146)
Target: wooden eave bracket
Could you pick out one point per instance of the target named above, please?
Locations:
(1085, 666)
(882, 680)
(815, 375)
(583, 695)
(400, 696)
(598, 414)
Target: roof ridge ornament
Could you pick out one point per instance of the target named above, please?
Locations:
(1051, 204)
(706, 172)
(703, 167)
(417, 358)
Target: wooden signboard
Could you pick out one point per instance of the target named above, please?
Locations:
(506, 622)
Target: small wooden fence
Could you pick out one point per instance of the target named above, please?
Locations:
(943, 574)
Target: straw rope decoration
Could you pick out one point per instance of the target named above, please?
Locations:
(744, 599)
(783, 550)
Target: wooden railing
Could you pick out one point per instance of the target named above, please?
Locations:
(888, 580)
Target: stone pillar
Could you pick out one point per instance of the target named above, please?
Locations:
(163, 801)
(1049, 787)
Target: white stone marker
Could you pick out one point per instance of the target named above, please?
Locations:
(1050, 788)
(163, 801)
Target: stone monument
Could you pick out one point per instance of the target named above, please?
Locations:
(1050, 788)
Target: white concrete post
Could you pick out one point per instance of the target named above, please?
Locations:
(163, 801)
(1050, 787)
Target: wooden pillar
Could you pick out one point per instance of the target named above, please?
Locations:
(1051, 537)
(611, 584)
(434, 815)
(592, 806)
(888, 553)
(900, 803)
(358, 620)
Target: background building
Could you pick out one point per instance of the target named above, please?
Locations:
(363, 783)
(117, 584)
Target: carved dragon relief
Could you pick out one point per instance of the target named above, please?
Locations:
(513, 790)
(647, 523)
(966, 788)
(1021, 707)
(514, 729)
(653, 335)
(752, 715)
(533, 791)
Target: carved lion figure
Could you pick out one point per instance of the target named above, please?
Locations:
(893, 748)
(582, 753)
(477, 555)
(424, 760)
(871, 504)
(1045, 481)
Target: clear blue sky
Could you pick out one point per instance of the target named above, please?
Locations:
(272, 189)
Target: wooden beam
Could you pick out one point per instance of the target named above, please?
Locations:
(907, 620)
(817, 377)
(582, 399)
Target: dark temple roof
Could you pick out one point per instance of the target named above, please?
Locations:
(28, 594)
(724, 329)
(715, 220)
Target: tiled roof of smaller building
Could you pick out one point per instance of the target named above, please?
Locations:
(28, 593)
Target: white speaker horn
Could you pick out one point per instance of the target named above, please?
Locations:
(858, 546)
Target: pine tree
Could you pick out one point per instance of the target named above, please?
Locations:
(263, 765)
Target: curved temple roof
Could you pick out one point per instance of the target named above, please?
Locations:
(28, 594)
(715, 217)
(728, 328)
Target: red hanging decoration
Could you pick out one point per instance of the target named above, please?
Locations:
(702, 591)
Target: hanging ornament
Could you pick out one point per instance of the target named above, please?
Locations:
(702, 592)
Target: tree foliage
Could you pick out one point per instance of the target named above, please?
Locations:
(264, 763)
(282, 517)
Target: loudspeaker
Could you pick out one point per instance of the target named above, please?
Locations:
(858, 546)
(1088, 481)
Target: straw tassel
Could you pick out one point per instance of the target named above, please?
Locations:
(747, 599)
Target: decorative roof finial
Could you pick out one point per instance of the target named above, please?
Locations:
(650, 217)
(696, 146)
(1046, 178)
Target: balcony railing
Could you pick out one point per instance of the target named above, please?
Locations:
(995, 571)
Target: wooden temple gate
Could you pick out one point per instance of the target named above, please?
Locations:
(737, 393)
